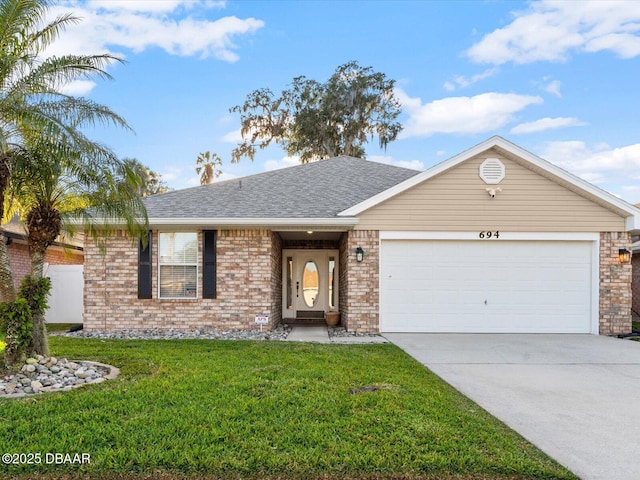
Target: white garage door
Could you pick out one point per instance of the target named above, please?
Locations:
(486, 286)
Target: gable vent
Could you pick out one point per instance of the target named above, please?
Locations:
(492, 171)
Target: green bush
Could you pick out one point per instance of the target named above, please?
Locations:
(36, 292)
(17, 327)
(17, 318)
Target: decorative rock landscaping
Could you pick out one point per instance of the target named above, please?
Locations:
(280, 332)
(49, 374)
(343, 333)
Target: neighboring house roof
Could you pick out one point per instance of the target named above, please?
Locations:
(317, 190)
(15, 230)
(537, 164)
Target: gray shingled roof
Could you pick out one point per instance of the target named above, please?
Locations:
(315, 190)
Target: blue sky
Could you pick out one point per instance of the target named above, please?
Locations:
(560, 79)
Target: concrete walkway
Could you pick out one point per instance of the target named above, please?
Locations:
(309, 333)
(576, 397)
(320, 334)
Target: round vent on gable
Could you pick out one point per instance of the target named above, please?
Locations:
(492, 171)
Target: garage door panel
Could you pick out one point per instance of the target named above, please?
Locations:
(486, 286)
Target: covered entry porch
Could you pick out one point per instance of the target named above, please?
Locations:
(310, 275)
(325, 271)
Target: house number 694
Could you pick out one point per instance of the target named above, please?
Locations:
(495, 234)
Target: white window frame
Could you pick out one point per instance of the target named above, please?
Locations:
(177, 264)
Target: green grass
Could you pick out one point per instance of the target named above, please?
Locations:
(59, 327)
(51, 327)
(232, 409)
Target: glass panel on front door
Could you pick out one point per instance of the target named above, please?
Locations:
(332, 267)
(310, 283)
(289, 283)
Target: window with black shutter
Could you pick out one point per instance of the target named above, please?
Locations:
(144, 266)
(209, 238)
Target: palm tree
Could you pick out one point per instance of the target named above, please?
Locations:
(59, 189)
(31, 100)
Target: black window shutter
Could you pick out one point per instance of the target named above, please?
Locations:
(209, 263)
(144, 267)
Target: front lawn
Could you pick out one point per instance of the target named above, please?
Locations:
(233, 409)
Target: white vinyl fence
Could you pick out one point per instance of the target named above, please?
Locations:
(67, 287)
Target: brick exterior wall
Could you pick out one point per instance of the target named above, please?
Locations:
(359, 282)
(311, 244)
(21, 263)
(615, 285)
(249, 282)
(245, 284)
(276, 279)
(343, 262)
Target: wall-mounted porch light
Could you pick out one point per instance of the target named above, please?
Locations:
(359, 254)
(624, 256)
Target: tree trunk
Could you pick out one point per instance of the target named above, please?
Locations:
(43, 226)
(7, 289)
(39, 344)
(37, 262)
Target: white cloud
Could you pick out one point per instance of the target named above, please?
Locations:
(449, 86)
(232, 137)
(282, 163)
(109, 26)
(550, 30)
(462, 81)
(235, 136)
(546, 123)
(78, 88)
(223, 176)
(479, 114)
(411, 164)
(615, 169)
(553, 87)
(178, 177)
(150, 5)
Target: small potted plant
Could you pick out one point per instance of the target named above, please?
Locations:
(332, 318)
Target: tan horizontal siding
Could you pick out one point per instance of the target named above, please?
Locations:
(456, 200)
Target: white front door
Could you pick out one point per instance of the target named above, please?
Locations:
(310, 282)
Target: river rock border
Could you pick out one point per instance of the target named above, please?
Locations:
(279, 332)
(48, 374)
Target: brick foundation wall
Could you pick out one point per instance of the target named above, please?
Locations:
(245, 285)
(21, 263)
(615, 285)
(359, 282)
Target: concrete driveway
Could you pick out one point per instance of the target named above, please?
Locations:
(576, 397)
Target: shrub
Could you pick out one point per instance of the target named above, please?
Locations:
(36, 293)
(17, 326)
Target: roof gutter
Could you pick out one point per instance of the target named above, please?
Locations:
(331, 223)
